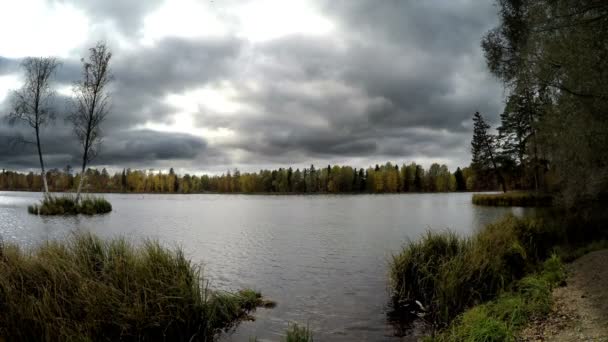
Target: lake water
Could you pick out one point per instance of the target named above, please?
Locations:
(322, 258)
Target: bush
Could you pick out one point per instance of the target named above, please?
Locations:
(89, 289)
(513, 199)
(66, 205)
(447, 274)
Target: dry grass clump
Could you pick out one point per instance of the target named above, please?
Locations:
(89, 289)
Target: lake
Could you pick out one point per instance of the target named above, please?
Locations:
(322, 258)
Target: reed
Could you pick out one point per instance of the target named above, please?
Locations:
(86, 289)
(513, 199)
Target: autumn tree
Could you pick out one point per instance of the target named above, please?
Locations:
(32, 103)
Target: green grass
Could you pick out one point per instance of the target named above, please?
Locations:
(447, 273)
(89, 289)
(503, 318)
(571, 253)
(513, 199)
(66, 205)
(297, 333)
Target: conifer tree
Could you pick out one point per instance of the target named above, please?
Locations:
(483, 148)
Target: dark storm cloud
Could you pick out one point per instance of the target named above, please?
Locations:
(149, 146)
(125, 147)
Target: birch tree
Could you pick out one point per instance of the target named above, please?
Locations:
(32, 103)
(91, 105)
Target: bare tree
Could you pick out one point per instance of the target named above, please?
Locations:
(31, 103)
(91, 104)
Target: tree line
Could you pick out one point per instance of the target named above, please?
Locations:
(387, 178)
(552, 57)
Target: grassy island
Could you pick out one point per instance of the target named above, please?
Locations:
(514, 199)
(86, 289)
(67, 205)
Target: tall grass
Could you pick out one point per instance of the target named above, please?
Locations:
(502, 318)
(513, 199)
(445, 274)
(86, 289)
(297, 333)
(66, 205)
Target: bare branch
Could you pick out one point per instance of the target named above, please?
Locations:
(31, 103)
(90, 104)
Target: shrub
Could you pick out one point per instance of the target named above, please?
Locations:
(90, 289)
(66, 205)
(513, 199)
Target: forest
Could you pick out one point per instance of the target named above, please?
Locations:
(387, 178)
(552, 135)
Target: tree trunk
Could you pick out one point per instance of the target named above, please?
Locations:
(82, 172)
(81, 180)
(498, 174)
(42, 171)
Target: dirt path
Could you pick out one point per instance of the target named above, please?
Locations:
(580, 311)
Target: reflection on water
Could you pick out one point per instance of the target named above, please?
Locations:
(322, 258)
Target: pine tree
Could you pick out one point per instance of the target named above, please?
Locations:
(517, 131)
(461, 184)
(483, 148)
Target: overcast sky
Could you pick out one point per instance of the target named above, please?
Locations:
(206, 86)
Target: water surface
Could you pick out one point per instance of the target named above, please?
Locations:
(323, 258)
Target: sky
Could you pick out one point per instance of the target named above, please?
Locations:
(214, 85)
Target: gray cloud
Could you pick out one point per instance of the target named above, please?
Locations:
(396, 80)
(136, 148)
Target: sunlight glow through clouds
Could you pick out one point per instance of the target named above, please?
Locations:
(216, 99)
(8, 83)
(37, 28)
(255, 21)
(182, 18)
(264, 20)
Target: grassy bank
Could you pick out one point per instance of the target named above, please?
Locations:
(67, 205)
(513, 199)
(88, 289)
(447, 273)
(501, 319)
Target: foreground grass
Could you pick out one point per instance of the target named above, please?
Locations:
(502, 319)
(88, 289)
(445, 274)
(297, 333)
(66, 205)
(294, 333)
(513, 199)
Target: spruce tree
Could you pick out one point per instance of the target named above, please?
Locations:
(483, 149)
(461, 184)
